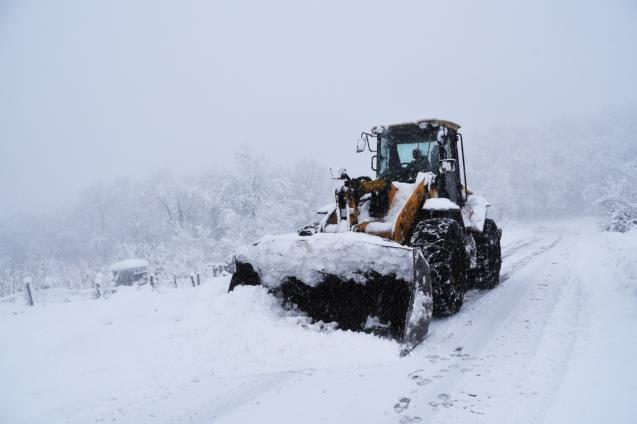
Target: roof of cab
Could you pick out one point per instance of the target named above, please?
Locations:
(442, 122)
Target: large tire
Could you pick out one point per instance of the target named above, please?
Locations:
(442, 244)
(486, 274)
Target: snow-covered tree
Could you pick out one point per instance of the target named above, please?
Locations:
(618, 208)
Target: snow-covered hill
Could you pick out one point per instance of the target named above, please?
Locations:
(555, 342)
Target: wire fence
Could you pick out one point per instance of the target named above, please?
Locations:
(32, 294)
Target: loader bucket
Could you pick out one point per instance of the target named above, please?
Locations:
(359, 281)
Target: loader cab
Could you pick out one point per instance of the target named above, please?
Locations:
(404, 150)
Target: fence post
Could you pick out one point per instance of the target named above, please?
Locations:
(192, 280)
(30, 295)
(198, 280)
(175, 280)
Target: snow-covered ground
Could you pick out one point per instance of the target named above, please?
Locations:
(555, 342)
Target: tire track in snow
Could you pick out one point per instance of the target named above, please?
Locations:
(510, 269)
(439, 394)
(510, 250)
(235, 397)
(541, 245)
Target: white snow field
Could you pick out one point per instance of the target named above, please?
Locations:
(556, 342)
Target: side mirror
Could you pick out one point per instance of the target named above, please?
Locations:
(361, 144)
(374, 163)
(447, 165)
(339, 173)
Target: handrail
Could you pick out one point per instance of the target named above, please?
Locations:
(464, 169)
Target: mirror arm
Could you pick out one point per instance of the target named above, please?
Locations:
(369, 146)
(367, 136)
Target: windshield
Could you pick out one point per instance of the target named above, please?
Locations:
(408, 157)
(407, 152)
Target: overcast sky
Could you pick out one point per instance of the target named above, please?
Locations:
(96, 90)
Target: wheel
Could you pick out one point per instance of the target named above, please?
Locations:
(486, 274)
(442, 243)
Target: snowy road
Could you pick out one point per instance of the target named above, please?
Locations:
(555, 342)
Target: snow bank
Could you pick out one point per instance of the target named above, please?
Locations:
(600, 376)
(120, 359)
(346, 254)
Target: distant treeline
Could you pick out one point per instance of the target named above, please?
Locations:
(558, 170)
(188, 225)
(179, 225)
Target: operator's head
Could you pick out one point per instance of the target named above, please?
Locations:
(417, 154)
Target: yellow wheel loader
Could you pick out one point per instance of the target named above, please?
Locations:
(390, 252)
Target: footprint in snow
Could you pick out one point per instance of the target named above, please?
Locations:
(432, 358)
(402, 404)
(445, 400)
(407, 420)
(417, 377)
(414, 375)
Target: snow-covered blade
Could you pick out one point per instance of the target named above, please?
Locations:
(348, 255)
(359, 281)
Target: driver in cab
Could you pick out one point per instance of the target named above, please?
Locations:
(419, 163)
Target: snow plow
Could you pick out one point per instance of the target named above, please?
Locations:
(393, 251)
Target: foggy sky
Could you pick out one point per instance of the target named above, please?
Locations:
(97, 90)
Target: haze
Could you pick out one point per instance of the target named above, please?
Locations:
(103, 90)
